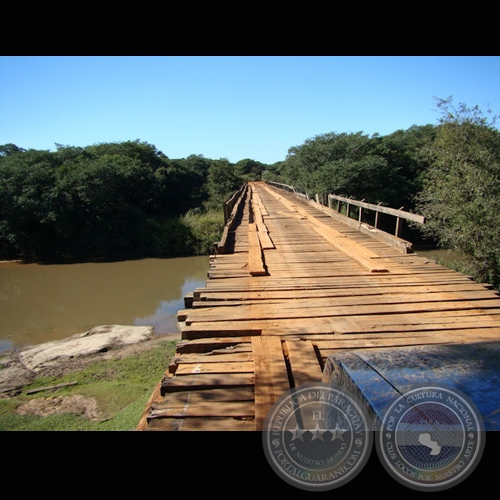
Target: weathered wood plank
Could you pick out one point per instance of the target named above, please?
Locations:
(214, 344)
(430, 337)
(201, 424)
(215, 357)
(324, 292)
(222, 368)
(257, 211)
(305, 366)
(271, 379)
(240, 409)
(201, 381)
(282, 310)
(182, 398)
(256, 265)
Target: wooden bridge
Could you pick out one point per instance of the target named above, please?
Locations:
(291, 283)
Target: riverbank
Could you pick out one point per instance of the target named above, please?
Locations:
(19, 368)
(99, 390)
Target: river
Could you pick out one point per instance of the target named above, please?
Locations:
(40, 303)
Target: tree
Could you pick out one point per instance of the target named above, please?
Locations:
(10, 149)
(461, 188)
(27, 205)
(222, 181)
(104, 201)
(404, 152)
(345, 164)
(250, 170)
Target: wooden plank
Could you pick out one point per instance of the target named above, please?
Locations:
(306, 368)
(432, 336)
(201, 424)
(271, 379)
(196, 333)
(323, 292)
(191, 368)
(372, 295)
(217, 394)
(340, 280)
(255, 260)
(155, 396)
(213, 344)
(201, 381)
(266, 242)
(247, 313)
(215, 357)
(353, 324)
(240, 409)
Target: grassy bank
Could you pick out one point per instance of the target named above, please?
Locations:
(109, 395)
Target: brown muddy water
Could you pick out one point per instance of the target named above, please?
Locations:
(40, 303)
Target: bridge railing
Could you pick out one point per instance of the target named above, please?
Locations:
(378, 209)
(232, 209)
(338, 204)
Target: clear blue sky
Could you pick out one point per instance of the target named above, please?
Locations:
(232, 107)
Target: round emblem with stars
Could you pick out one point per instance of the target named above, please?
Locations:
(317, 438)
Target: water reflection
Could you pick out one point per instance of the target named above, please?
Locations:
(164, 318)
(40, 303)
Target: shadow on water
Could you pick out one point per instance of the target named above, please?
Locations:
(40, 303)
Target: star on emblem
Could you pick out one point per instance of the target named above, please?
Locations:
(337, 433)
(318, 433)
(297, 433)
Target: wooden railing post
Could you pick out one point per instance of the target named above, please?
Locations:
(398, 226)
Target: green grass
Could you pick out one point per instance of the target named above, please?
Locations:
(206, 227)
(121, 388)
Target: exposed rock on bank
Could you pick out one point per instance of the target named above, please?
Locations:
(99, 339)
(18, 369)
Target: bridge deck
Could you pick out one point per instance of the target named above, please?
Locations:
(294, 286)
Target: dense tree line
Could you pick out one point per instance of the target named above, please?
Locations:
(106, 201)
(377, 169)
(126, 200)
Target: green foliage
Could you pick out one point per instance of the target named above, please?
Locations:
(206, 228)
(461, 190)
(121, 388)
(222, 181)
(107, 201)
(9, 149)
(249, 170)
(404, 151)
(345, 164)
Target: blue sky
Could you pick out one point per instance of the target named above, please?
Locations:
(232, 107)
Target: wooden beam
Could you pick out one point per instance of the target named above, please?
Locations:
(271, 378)
(304, 363)
(256, 265)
